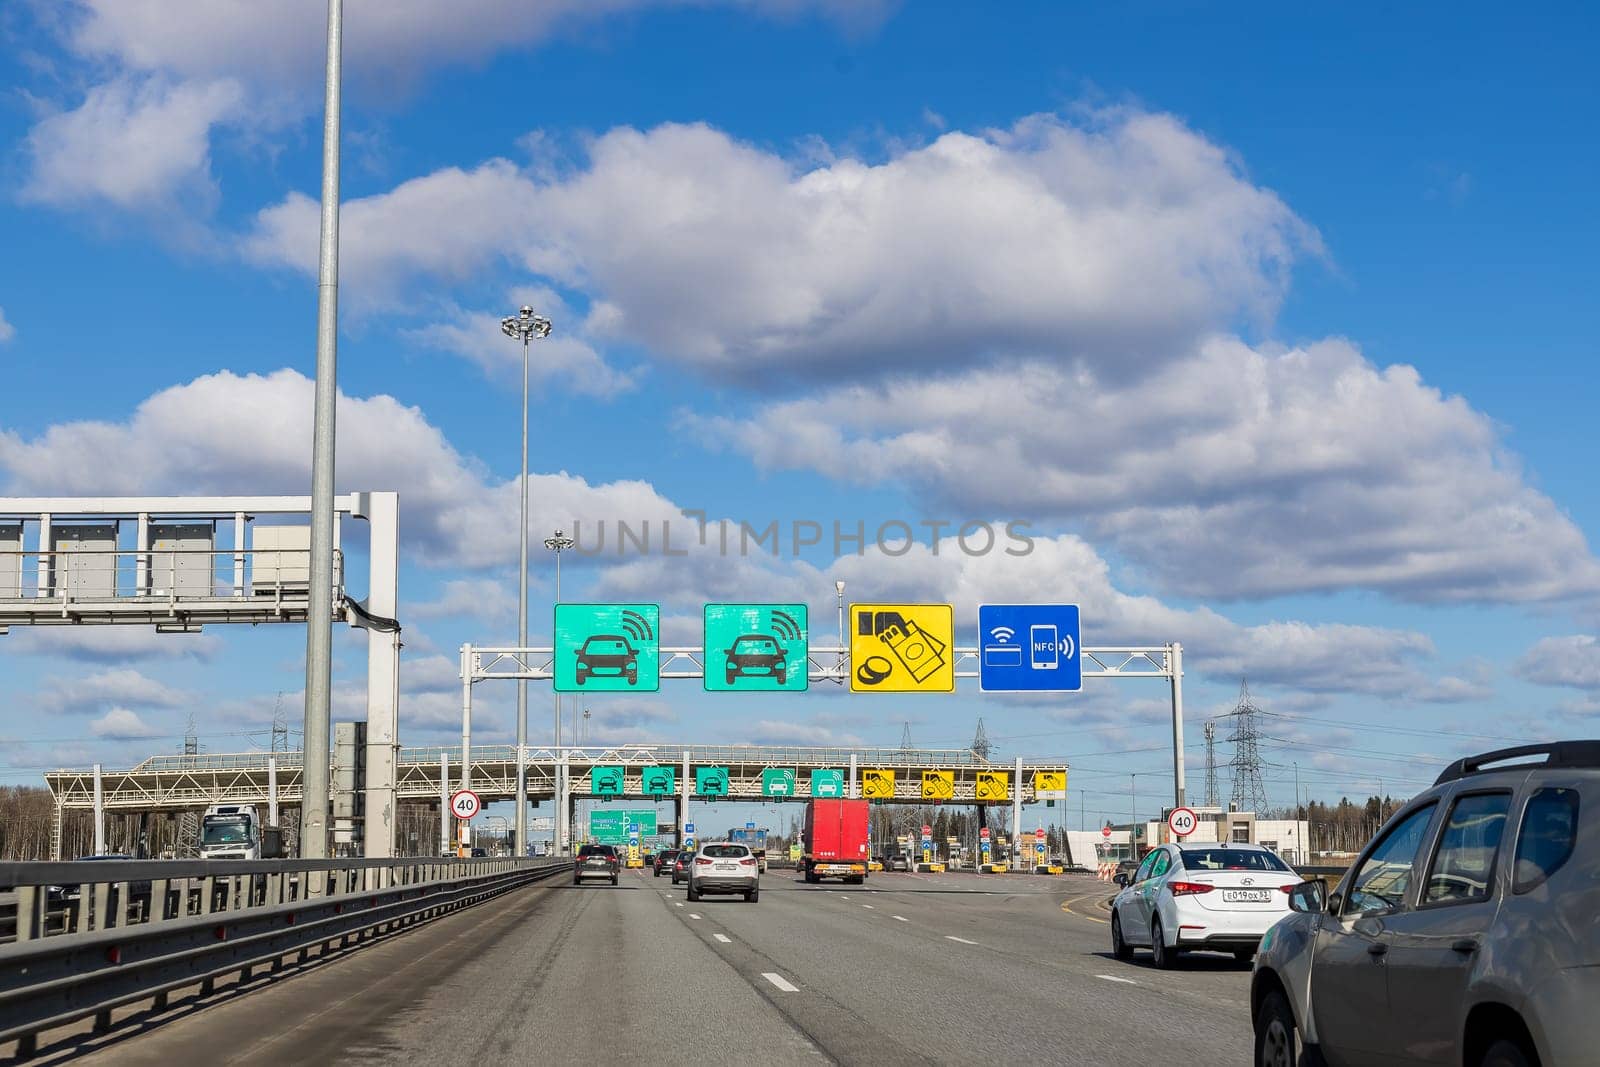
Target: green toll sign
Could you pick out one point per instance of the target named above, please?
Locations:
(607, 648)
(827, 783)
(711, 781)
(606, 781)
(611, 827)
(658, 781)
(777, 782)
(755, 648)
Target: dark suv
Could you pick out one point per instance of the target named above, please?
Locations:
(1464, 934)
(597, 861)
(663, 859)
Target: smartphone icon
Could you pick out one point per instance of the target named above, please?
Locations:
(1044, 645)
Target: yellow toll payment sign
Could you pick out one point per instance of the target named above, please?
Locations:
(877, 784)
(993, 785)
(902, 648)
(1050, 785)
(938, 785)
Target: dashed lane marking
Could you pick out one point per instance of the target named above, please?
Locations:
(902, 918)
(781, 982)
(692, 915)
(724, 938)
(867, 906)
(1114, 978)
(964, 941)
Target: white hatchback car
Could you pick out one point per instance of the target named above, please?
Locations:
(1215, 896)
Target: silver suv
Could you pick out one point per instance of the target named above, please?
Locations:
(1464, 934)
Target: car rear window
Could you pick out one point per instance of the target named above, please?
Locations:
(725, 852)
(1549, 830)
(1231, 859)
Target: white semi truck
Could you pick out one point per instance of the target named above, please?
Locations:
(231, 832)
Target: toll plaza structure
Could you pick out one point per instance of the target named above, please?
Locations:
(660, 773)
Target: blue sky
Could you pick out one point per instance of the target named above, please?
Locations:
(1275, 326)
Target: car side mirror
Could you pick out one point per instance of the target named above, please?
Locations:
(1333, 904)
(1121, 879)
(1309, 897)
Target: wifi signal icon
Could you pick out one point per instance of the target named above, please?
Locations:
(637, 626)
(785, 626)
(1003, 633)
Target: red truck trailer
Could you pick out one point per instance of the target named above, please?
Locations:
(836, 840)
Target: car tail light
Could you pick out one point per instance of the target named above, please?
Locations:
(701, 861)
(1286, 889)
(747, 863)
(1184, 889)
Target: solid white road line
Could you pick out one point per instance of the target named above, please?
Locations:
(781, 982)
(964, 941)
(1114, 978)
(724, 938)
(902, 918)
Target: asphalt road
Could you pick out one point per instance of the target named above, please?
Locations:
(909, 968)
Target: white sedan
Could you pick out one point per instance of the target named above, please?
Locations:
(1217, 897)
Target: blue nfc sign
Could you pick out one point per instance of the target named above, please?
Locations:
(1029, 648)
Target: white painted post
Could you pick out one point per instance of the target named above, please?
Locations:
(238, 553)
(382, 512)
(466, 716)
(1175, 665)
(99, 814)
(563, 816)
(683, 798)
(272, 790)
(1017, 852)
(444, 803)
(141, 563)
(852, 791)
(44, 555)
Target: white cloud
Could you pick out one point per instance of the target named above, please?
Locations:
(104, 644)
(484, 599)
(1236, 473)
(1106, 240)
(134, 143)
(783, 732)
(120, 687)
(1572, 660)
(120, 724)
(7, 331)
(384, 47)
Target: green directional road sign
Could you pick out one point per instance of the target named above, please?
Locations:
(606, 781)
(611, 827)
(658, 781)
(827, 783)
(607, 648)
(777, 782)
(755, 647)
(711, 781)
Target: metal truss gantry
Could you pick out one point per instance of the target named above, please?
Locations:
(824, 664)
(175, 577)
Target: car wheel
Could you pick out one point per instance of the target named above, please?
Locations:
(633, 677)
(693, 896)
(1275, 1033)
(1505, 1054)
(1163, 957)
(583, 676)
(1119, 948)
(753, 895)
(658, 872)
(613, 879)
(731, 675)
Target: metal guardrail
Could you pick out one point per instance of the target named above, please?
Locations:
(90, 937)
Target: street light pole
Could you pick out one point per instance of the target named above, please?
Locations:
(319, 601)
(523, 326)
(1133, 817)
(838, 588)
(559, 544)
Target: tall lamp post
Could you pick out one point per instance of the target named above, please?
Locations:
(1133, 817)
(524, 326)
(559, 544)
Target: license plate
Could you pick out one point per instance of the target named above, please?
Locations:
(727, 867)
(1242, 896)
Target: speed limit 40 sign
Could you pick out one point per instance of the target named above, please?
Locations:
(464, 804)
(1182, 822)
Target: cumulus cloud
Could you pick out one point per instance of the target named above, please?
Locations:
(121, 687)
(784, 732)
(121, 724)
(135, 143)
(1573, 660)
(485, 599)
(1238, 472)
(1109, 239)
(105, 644)
(7, 331)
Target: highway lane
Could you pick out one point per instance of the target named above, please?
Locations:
(905, 969)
